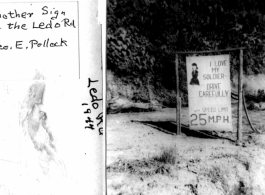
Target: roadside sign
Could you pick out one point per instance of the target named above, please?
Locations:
(209, 91)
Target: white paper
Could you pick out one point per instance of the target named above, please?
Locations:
(51, 134)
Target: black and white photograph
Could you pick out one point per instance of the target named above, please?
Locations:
(185, 97)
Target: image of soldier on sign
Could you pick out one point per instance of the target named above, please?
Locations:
(194, 80)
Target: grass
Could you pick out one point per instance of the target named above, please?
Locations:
(151, 172)
(159, 164)
(167, 156)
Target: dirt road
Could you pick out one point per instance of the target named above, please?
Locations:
(144, 156)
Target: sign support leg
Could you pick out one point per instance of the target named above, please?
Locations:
(240, 97)
(178, 100)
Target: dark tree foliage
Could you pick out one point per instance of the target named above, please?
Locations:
(142, 36)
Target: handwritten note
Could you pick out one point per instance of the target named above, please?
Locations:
(93, 108)
(46, 34)
(51, 134)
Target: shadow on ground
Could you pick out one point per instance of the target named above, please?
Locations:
(169, 127)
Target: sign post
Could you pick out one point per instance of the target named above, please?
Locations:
(178, 100)
(212, 75)
(240, 97)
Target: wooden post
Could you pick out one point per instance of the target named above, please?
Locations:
(178, 105)
(179, 116)
(240, 97)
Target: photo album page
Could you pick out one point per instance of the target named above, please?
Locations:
(51, 98)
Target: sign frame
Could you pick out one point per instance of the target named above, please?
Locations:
(240, 87)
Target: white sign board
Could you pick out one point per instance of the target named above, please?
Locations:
(209, 93)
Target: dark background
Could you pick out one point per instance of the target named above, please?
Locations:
(142, 36)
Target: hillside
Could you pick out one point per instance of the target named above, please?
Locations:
(143, 36)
